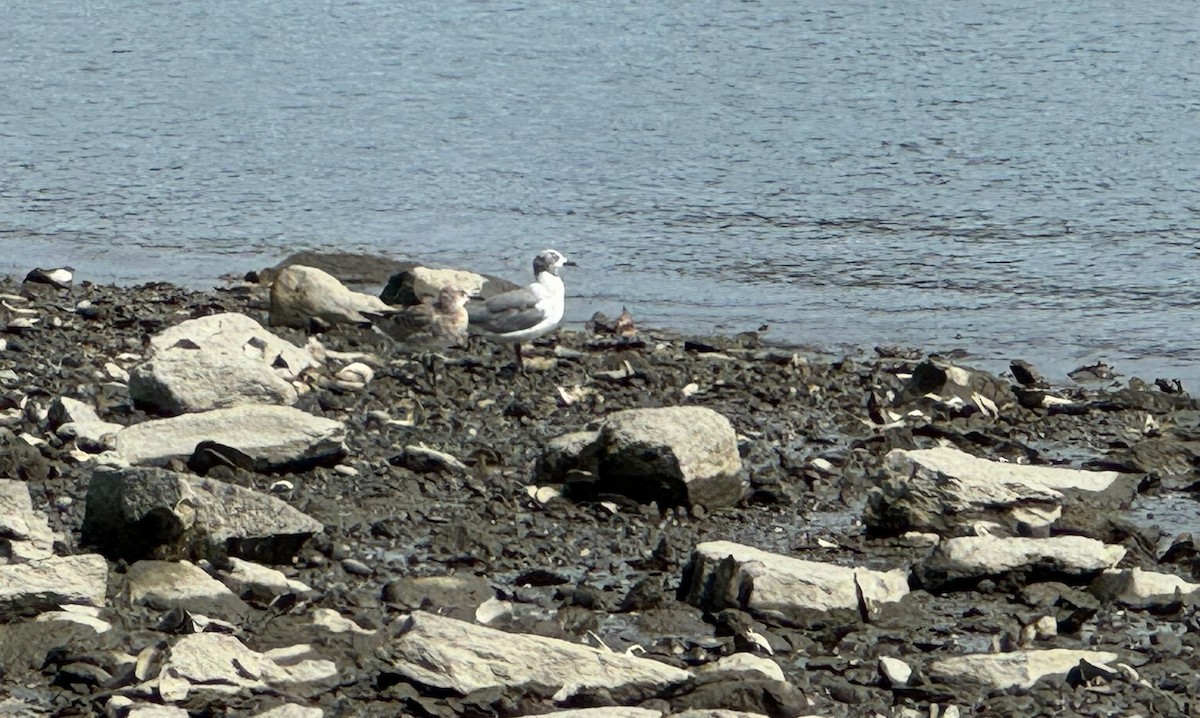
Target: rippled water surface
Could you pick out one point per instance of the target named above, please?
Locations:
(1013, 178)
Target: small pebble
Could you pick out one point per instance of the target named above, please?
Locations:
(356, 567)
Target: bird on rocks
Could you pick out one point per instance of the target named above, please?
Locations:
(527, 313)
(429, 326)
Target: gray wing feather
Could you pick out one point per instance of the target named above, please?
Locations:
(507, 312)
(511, 321)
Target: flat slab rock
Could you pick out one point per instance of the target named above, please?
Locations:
(969, 558)
(449, 654)
(137, 513)
(48, 583)
(724, 574)
(274, 437)
(25, 534)
(220, 663)
(169, 584)
(1144, 589)
(948, 491)
(1013, 669)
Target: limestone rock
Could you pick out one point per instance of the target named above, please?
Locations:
(164, 585)
(73, 419)
(203, 662)
(142, 513)
(1144, 589)
(682, 455)
(251, 580)
(968, 559)
(417, 284)
(274, 437)
(30, 588)
(24, 533)
(457, 656)
(1014, 669)
(302, 294)
(747, 663)
(216, 361)
(948, 491)
(722, 574)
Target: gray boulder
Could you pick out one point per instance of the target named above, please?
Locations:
(24, 533)
(273, 437)
(154, 513)
(300, 295)
(965, 560)
(460, 657)
(164, 585)
(681, 455)
(951, 492)
(353, 269)
(723, 574)
(30, 588)
(962, 390)
(217, 361)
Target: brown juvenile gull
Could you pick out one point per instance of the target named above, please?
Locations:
(529, 312)
(429, 326)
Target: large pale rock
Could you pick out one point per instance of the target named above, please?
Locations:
(25, 534)
(274, 437)
(73, 419)
(29, 588)
(217, 361)
(302, 294)
(949, 492)
(416, 284)
(457, 656)
(154, 513)
(164, 585)
(1144, 589)
(1014, 669)
(723, 574)
(215, 662)
(967, 559)
(681, 455)
(251, 580)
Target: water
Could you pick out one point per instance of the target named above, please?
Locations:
(1017, 179)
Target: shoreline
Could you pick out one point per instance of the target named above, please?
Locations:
(815, 439)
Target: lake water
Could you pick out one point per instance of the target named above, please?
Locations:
(1014, 178)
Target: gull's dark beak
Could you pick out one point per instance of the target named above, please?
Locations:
(570, 263)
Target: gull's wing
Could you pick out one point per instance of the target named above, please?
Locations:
(508, 312)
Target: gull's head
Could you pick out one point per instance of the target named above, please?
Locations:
(550, 260)
(452, 298)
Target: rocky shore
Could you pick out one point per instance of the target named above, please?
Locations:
(202, 514)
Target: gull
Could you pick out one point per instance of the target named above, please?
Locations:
(527, 313)
(429, 326)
